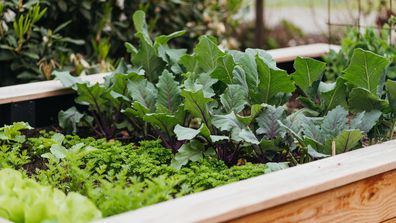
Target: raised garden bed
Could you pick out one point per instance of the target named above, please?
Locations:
(220, 116)
(358, 186)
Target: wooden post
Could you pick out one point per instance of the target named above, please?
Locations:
(259, 30)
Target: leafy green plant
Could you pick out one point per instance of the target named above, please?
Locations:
(24, 200)
(228, 103)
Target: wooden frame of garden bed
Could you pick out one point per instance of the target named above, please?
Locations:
(358, 186)
(43, 89)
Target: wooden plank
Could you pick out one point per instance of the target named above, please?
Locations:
(42, 89)
(270, 190)
(311, 50)
(393, 220)
(370, 200)
(24, 92)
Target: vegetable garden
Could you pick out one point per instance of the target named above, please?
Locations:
(167, 123)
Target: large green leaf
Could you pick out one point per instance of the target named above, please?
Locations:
(365, 121)
(365, 70)
(272, 82)
(361, 99)
(147, 58)
(139, 21)
(391, 93)
(334, 122)
(307, 72)
(239, 76)
(197, 104)
(224, 69)
(163, 121)
(204, 59)
(144, 92)
(233, 98)
(93, 96)
(168, 92)
(66, 79)
(348, 140)
(69, 119)
(192, 151)
(267, 122)
(336, 96)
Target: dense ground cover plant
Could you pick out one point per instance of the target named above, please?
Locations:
(233, 104)
(114, 176)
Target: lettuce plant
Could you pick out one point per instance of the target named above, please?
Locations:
(24, 200)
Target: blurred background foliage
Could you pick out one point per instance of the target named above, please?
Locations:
(88, 36)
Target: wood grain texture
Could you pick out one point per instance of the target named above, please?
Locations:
(370, 200)
(392, 220)
(267, 191)
(43, 89)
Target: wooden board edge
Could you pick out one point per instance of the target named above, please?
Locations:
(252, 195)
(368, 200)
(31, 91)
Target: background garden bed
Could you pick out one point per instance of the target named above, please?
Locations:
(39, 103)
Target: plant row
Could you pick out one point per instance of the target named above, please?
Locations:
(236, 105)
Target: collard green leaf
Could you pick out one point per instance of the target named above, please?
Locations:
(272, 82)
(248, 136)
(163, 121)
(315, 154)
(144, 92)
(307, 72)
(192, 151)
(147, 58)
(334, 122)
(391, 93)
(272, 167)
(239, 76)
(334, 97)
(365, 121)
(197, 104)
(233, 99)
(254, 112)
(227, 122)
(168, 92)
(139, 21)
(136, 110)
(69, 119)
(66, 79)
(348, 140)
(204, 59)
(93, 96)
(184, 133)
(224, 69)
(267, 122)
(361, 99)
(365, 70)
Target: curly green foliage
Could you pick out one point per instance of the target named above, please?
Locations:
(118, 177)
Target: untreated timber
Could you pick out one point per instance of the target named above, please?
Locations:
(370, 172)
(43, 89)
(369, 200)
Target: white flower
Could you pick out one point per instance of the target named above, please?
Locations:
(120, 4)
(9, 15)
